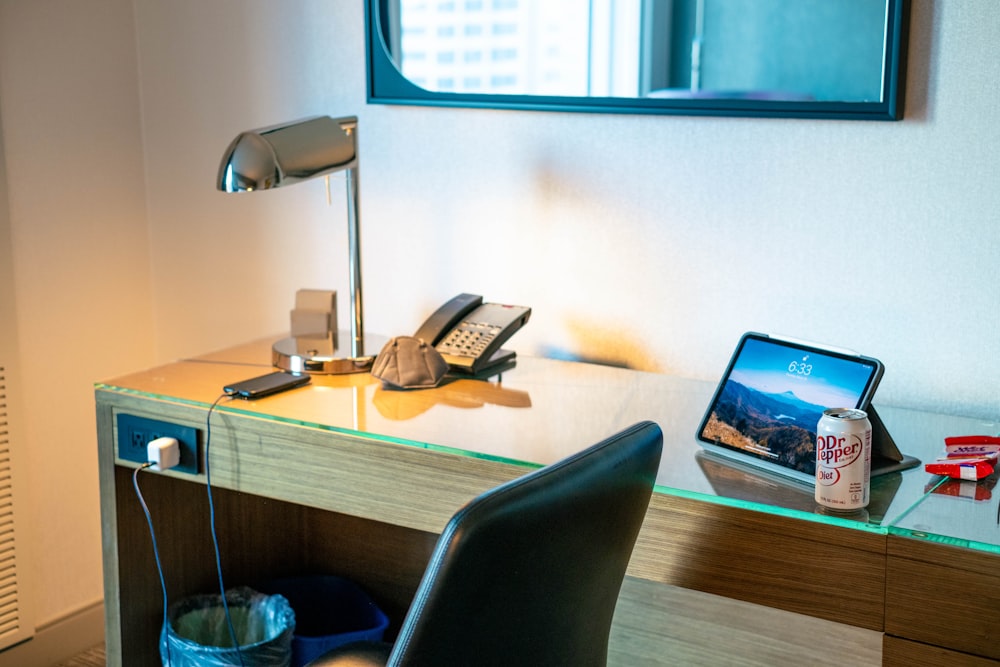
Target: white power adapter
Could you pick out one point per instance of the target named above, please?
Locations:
(163, 453)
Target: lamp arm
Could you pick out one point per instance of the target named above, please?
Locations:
(354, 261)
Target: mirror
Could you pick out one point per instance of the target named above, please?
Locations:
(783, 58)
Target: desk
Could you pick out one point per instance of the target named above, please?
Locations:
(345, 472)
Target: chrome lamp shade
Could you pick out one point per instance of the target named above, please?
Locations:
(272, 157)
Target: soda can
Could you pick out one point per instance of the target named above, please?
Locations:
(843, 459)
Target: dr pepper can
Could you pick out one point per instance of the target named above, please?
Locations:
(843, 459)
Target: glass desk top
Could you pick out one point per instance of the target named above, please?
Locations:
(960, 513)
(542, 410)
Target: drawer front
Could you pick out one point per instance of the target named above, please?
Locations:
(943, 595)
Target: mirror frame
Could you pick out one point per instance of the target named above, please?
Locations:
(386, 85)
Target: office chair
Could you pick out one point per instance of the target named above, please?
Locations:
(529, 572)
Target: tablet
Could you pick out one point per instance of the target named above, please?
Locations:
(770, 400)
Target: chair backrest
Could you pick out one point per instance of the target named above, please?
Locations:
(529, 573)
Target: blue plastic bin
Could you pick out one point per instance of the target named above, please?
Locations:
(329, 611)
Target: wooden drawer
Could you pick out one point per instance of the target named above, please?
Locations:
(898, 652)
(943, 595)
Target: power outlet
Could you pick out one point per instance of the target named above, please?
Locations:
(134, 433)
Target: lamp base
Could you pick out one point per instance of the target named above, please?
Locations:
(320, 355)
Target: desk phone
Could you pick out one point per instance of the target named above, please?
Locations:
(469, 333)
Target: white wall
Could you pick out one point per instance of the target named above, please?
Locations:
(69, 107)
(648, 241)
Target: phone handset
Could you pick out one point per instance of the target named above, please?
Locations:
(446, 317)
(468, 333)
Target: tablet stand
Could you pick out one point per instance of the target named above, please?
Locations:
(885, 453)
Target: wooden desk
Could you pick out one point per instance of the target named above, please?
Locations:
(344, 476)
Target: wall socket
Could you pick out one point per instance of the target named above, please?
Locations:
(134, 433)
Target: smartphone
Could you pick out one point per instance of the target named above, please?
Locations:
(265, 385)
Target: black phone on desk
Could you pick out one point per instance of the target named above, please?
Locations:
(469, 333)
(265, 385)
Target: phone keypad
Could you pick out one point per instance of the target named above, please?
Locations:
(469, 339)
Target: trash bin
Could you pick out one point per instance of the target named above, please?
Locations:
(329, 611)
(197, 633)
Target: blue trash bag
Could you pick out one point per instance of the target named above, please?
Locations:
(197, 634)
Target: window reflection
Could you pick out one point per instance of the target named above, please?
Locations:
(758, 49)
(526, 47)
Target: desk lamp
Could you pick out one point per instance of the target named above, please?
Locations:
(272, 157)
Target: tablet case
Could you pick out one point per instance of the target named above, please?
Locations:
(886, 456)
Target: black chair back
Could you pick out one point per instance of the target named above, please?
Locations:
(529, 573)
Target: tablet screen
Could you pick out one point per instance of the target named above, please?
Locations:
(773, 394)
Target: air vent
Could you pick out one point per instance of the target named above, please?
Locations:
(11, 623)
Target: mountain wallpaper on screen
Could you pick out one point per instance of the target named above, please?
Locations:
(778, 427)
